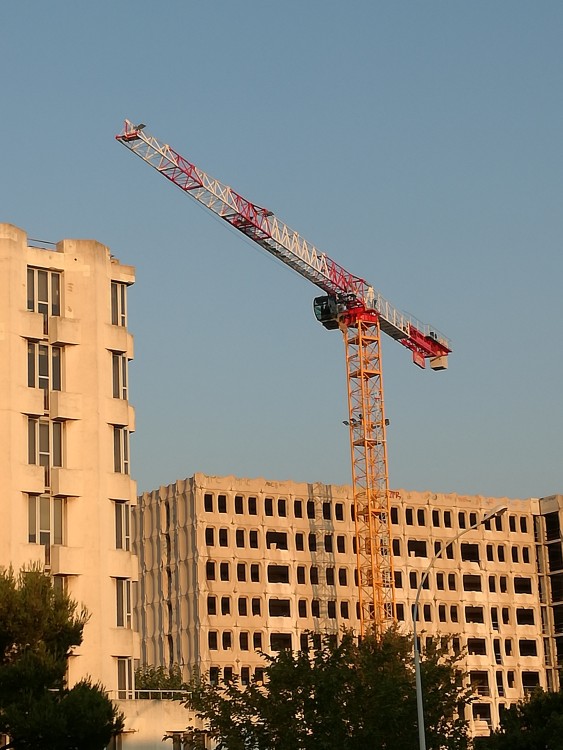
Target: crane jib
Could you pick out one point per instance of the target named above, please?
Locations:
(263, 227)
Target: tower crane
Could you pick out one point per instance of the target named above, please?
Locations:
(351, 304)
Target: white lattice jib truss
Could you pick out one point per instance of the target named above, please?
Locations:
(369, 472)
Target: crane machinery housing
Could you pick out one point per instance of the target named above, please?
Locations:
(351, 304)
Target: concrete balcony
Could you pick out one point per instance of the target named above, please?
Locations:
(123, 564)
(66, 561)
(122, 641)
(67, 482)
(117, 411)
(63, 405)
(31, 325)
(31, 479)
(118, 339)
(31, 401)
(121, 487)
(64, 331)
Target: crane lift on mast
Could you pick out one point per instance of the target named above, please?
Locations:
(352, 305)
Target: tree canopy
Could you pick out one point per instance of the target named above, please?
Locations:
(38, 629)
(533, 724)
(342, 696)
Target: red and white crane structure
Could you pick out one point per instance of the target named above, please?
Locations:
(351, 304)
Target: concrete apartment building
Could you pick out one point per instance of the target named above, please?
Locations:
(65, 420)
(232, 566)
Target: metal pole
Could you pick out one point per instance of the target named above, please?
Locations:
(414, 613)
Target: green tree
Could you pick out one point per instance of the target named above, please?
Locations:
(38, 629)
(345, 696)
(533, 724)
(155, 682)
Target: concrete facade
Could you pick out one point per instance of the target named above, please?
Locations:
(232, 566)
(65, 420)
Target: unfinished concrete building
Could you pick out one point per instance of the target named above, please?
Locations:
(230, 567)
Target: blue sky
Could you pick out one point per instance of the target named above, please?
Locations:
(419, 144)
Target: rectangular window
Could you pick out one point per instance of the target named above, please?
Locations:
(119, 375)
(239, 537)
(124, 677)
(253, 539)
(45, 445)
(298, 508)
(46, 522)
(44, 368)
(118, 303)
(238, 505)
(121, 449)
(122, 525)
(123, 597)
(269, 506)
(44, 293)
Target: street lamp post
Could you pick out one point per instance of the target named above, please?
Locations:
(498, 511)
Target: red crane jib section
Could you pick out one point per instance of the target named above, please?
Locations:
(254, 221)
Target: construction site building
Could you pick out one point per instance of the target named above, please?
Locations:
(230, 567)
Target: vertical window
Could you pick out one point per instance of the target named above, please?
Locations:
(122, 525)
(45, 445)
(208, 502)
(124, 677)
(341, 543)
(118, 303)
(257, 606)
(282, 507)
(44, 368)
(119, 375)
(243, 641)
(299, 542)
(211, 605)
(241, 571)
(239, 537)
(243, 606)
(46, 522)
(44, 293)
(224, 571)
(253, 539)
(123, 595)
(268, 506)
(222, 503)
(121, 450)
(223, 537)
(298, 509)
(238, 505)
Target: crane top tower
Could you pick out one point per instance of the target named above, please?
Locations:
(351, 304)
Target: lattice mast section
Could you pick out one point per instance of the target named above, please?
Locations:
(370, 477)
